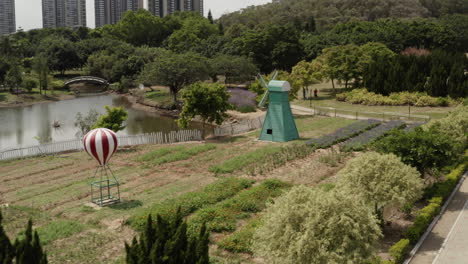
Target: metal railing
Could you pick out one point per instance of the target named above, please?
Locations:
(77, 144)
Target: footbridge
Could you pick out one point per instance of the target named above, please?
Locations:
(87, 79)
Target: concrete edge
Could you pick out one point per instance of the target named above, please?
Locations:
(435, 220)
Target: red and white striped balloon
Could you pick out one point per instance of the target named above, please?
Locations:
(100, 143)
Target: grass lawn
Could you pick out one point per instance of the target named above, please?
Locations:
(54, 191)
(9, 99)
(326, 98)
(160, 96)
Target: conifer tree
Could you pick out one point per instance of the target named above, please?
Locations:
(210, 17)
(167, 242)
(29, 249)
(6, 248)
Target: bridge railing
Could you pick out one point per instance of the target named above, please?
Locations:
(87, 78)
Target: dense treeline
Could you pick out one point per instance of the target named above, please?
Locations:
(439, 74)
(322, 15)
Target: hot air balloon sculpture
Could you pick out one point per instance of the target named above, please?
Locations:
(101, 144)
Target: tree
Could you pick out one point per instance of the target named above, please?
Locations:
(380, 180)
(61, 53)
(234, 68)
(40, 66)
(175, 71)
(210, 17)
(29, 249)
(167, 242)
(209, 101)
(113, 120)
(424, 150)
(309, 225)
(7, 251)
(14, 77)
(305, 74)
(85, 123)
(194, 30)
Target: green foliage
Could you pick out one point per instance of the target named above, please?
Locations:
(190, 202)
(424, 150)
(28, 250)
(241, 161)
(235, 69)
(241, 240)
(305, 74)
(382, 180)
(175, 71)
(41, 67)
(209, 101)
(14, 77)
(363, 96)
(7, 251)
(61, 53)
(167, 241)
(223, 216)
(399, 250)
(454, 125)
(85, 123)
(59, 229)
(444, 188)
(113, 120)
(422, 221)
(168, 155)
(29, 83)
(312, 226)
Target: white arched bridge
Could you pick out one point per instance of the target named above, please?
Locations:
(87, 79)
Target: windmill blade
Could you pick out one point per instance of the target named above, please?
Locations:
(262, 81)
(265, 95)
(275, 74)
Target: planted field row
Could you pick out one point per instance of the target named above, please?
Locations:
(190, 202)
(359, 142)
(241, 240)
(343, 134)
(224, 215)
(244, 160)
(172, 154)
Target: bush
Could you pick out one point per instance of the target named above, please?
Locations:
(422, 221)
(29, 83)
(421, 149)
(56, 85)
(312, 226)
(364, 97)
(454, 125)
(399, 250)
(444, 189)
(241, 240)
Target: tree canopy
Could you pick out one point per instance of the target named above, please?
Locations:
(313, 226)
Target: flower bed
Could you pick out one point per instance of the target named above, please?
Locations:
(359, 142)
(343, 134)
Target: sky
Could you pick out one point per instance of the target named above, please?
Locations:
(29, 12)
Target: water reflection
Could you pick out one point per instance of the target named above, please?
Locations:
(20, 127)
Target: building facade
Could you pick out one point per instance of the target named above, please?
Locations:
(63, 13)
(7, 17)
(111, 11)
(163, 8)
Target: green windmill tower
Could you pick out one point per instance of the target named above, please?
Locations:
(279, 125)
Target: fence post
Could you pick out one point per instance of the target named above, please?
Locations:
(335, 112)
(356, 115)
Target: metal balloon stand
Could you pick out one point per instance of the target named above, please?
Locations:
(106, 190)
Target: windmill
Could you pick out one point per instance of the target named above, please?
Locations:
(279, 125)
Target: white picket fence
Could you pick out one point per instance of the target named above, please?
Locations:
(239, 128)
(130, 140)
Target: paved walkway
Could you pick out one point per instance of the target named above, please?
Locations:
(448, 241)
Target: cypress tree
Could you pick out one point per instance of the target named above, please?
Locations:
(202, 246)
(29, 250)
(6, 248)
(210, 17)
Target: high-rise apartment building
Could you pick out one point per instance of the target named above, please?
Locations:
(63, 13)
(166, 7)
(111, 11)
(7, 17)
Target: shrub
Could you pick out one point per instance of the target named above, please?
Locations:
(312, 226)
(29, 83)
(56, 84)
(380, 180)
(422, 221)
(421, 149)
(241, 240)
(454, 125)
(167, 241)
(399, 250)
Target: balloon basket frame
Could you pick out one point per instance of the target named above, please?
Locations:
(106, 189)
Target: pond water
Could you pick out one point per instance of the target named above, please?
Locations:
(22, 126)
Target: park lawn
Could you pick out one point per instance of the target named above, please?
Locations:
(159, 96)
(9, 99)
(54, 190)
(326, 98)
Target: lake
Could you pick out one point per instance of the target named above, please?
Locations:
(21, 126)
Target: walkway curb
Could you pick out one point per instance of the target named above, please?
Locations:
(436, 220)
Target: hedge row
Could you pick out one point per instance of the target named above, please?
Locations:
(439, 192)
